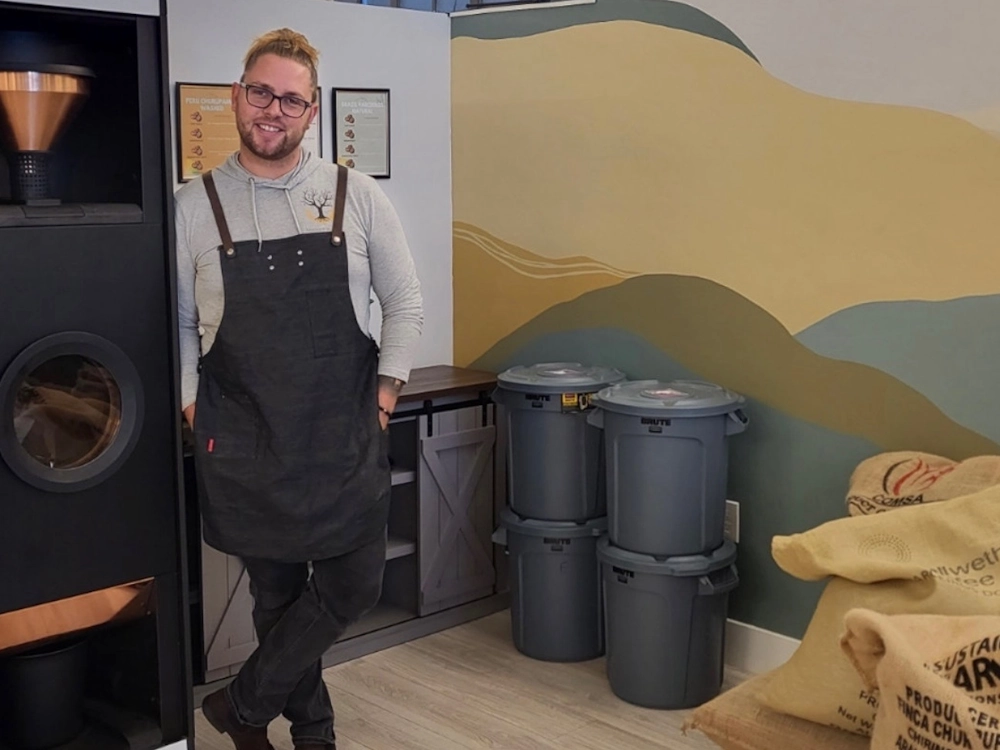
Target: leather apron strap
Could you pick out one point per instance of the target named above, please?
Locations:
(337, 236)
(220, 217)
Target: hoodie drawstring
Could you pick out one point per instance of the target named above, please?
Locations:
(256, 223)
(307, 165)
(291, 207)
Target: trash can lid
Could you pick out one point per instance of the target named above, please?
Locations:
(685, 565)
(560, 529)
(558, 377)
(675, 398)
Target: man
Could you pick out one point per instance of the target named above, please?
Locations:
(286, 392)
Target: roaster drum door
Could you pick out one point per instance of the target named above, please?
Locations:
(71, 411)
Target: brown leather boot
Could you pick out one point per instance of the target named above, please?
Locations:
(222, 717)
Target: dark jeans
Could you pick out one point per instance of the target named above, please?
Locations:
(298, 618)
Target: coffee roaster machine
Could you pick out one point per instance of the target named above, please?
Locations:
(94, 649)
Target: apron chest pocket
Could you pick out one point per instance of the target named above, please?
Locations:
(332, 323)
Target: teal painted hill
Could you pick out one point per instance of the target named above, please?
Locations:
(535, 20)
(712, 330)
(789, 475)
(948, 351)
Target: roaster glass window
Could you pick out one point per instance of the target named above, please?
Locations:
(67, 412)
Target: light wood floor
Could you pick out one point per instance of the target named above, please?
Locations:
(468, 688)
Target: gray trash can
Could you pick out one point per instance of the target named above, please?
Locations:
(667, 462)
(555, 461)
(666, 624)
(555, 580)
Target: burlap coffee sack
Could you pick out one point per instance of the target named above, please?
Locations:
(818, 683)
(937, 677)
(736, 720)
(957, 542)
(898, 479)
(941, 558)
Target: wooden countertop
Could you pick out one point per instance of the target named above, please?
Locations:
(444, 380)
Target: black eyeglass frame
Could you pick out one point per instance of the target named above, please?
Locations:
(281, 100)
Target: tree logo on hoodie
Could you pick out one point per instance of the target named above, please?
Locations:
(319, 200)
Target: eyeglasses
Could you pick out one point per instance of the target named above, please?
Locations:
(262, 98)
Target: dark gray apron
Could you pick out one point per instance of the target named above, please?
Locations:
(289, 451)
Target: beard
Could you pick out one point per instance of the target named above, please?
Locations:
(276, 151)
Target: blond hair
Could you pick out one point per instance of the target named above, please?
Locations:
(285, 43)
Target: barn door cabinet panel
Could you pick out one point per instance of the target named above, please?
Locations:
(442, 568)
(456, 469)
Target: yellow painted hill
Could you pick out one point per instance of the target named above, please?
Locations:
(661, 151)
(500, 287)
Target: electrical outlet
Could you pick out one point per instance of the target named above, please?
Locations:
(732, 530)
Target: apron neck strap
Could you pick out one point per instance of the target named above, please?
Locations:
(337, 236)
(220, 217)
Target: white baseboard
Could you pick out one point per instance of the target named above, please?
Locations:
(182, 745)
(754, 650)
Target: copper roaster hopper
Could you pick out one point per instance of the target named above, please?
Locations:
(36, 106)
(43, 83)
(35, 626)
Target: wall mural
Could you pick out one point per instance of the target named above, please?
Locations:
(633, 187)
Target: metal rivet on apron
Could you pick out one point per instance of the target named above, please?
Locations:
(269, 257)
(301, 263)
(230, 252)
(336, 240)
(300, 252)
(270, 268)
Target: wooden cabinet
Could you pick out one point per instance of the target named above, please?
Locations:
(442, 568)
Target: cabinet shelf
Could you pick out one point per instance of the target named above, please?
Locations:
(403, 476)
(399, 548)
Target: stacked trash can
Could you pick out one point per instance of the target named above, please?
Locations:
(666, 565)
(557, 511)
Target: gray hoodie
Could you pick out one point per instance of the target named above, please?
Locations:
(259, 209)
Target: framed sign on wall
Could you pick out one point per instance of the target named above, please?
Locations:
(361, 130)
(206, 128)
